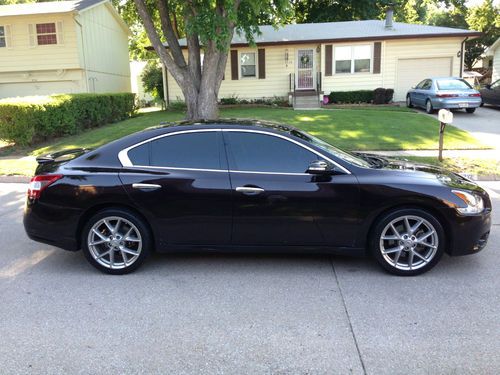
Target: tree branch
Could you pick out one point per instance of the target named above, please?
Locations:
(168, 31)
(162, 52)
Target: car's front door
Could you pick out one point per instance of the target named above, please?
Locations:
(491, 95)
(277, 203)
(422, 92)
(181, 181)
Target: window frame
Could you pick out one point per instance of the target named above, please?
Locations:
(353, 60)
(4, 37)
(256, 57)
(126, 162)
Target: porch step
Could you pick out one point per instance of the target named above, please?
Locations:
(306, 102)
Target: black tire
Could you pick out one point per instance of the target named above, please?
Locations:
(470, 110)
(428, 106)
(127, 218)
(408, 101)
(376, 243)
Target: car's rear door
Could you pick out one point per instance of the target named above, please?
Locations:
(182, 183)
(277, 203)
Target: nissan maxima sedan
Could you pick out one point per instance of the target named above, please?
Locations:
(450, 93)
(250, 186)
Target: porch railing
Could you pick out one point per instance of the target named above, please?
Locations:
(319, 84)
(291, 86)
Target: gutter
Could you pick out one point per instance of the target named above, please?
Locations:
(83, 53)
(462, 45)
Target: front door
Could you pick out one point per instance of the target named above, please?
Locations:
(305, 69)
(276, 203)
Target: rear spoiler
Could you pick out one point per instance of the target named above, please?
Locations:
(61, 156)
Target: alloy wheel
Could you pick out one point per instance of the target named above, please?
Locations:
(114, 242)
(408, 242)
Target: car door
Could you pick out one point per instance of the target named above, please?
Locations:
(416, 94)
(491, 94)
(277, 203)
(424, 92)
(181, 181)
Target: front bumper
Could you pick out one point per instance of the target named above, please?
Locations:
(470, 233)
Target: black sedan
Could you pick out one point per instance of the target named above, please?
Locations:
(490, 94)
(237, 186)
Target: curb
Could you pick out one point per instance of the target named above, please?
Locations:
(15, 179)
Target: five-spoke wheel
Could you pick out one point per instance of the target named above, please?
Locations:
(408, 242)
(115, 241)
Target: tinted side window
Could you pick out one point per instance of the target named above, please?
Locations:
(427, 85)
(419, 86)
(139, 155)
(190, 150)
(266, 153)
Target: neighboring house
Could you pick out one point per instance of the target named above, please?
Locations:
(63, 47)
(136, 70)
(494, 52)
(338, 56)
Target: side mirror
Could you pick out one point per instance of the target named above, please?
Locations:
(319, 167)
(413, 87)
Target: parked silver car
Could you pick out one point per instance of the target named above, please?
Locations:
(446, 92)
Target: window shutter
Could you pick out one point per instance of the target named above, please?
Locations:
(8, 36)
(262, 63)
(377, 52)
(60, 33)
(234, 64)
(31, 30)
(328, 59)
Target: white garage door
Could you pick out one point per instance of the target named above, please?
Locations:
(11, 90)
(412, 71)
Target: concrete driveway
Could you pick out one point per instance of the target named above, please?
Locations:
(484, 124)
(212, 314)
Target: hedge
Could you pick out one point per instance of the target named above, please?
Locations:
(29, 120)
(377, 96)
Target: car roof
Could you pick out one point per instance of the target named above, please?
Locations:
(225, 123)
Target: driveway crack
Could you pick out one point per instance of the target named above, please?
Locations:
(348, 317)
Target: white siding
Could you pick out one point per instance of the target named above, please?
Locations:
(276, 82)
(103, 50)
(496, 65)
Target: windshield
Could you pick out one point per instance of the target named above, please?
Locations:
(453, 84)
(344, 155)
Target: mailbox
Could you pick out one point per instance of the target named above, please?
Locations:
(445, 116)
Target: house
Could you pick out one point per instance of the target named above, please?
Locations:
(63, 47)
(494, 52)
(309, 59)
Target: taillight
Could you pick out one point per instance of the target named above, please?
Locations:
(40, 183)
(477, 95)
(446, 95)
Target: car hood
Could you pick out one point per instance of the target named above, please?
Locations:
(431, 173)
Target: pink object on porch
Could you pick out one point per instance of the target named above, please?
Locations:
(325, 99)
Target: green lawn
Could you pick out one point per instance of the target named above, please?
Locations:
(351, 129)
(481, 167)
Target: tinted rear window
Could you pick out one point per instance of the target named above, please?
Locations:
(190, 150)
(452, 84)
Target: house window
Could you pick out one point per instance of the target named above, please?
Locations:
(353, 59)
(3, 41)
(46, 33)
(247, 65)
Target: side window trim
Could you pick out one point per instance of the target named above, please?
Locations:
(126, 162)
(286, 139)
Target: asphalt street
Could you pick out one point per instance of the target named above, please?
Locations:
(246, 314)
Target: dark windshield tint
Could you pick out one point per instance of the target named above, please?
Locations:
(267, 153)
(191, 150)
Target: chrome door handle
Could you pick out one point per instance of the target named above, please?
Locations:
(146, 186)
(247, 190)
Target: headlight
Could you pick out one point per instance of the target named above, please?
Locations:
(473, 203)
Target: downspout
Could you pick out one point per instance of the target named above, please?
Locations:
(462, 57)
(85, 78)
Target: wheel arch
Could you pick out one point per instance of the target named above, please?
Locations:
(110, 205)
(422, 205)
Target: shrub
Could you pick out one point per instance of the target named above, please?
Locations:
(358, 96)
(32, 119)
(177, 105)
(152, 80)
(377, 96)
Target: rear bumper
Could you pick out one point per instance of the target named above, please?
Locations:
(470, 234)
(455, 103)
(51, 225)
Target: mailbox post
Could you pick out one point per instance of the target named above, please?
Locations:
(445, 117)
